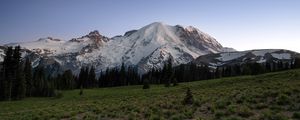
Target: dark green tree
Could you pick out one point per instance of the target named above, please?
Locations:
(8, 74)
(123, 75)
(81, 78)
(28, 77)
(296, 63)
(169, 73)
(67, 80)
(19, 86)
(146, 84)
(92, 78)
(175, 82)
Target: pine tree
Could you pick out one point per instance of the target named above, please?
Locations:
(7, 74)
(169, 73)
(20, 83)
(175, 82)
(2, 82)
(92, 77)
(68, 80)
(81, 78)
(28, 77)
(100, 79)
(42, 86)
(123, 75)
(81, 91)
(296, 63)
(86, 77)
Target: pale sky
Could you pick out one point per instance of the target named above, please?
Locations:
(240, 24)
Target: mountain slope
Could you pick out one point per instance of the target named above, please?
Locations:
(258, 56)
(147, 47)
(153, 44)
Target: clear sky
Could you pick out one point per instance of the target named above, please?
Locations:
(241, 24)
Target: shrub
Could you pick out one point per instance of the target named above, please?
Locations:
(58, 94)
(81, 91)
(296, 115)
(197, 103)
(283, 99)
(146, 84)
(233, 118)
(155, 117)
(175, 82)
(261, 106)
(222, 103)
(188, 100)
(219, 114)
(271, 115)
(244, 111)
(279, 116)
(231, 109)
(188, 114)
(177, 117)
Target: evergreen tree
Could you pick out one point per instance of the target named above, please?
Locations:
(1, 82)
(146, 84)
(67, 80)
(86, 78)
(175, 82)
(20, 80)
(169, 73)
(123, 75)
(296, 63)
(81, 78)
(42, 86)
(100, 79)
(28, 77)
(8, 74)
(92, 77)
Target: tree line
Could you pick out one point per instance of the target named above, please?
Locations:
(19, 80)
(195, 72)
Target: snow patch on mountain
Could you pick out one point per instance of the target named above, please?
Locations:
(263, 52)
(2, 54)
(227, 49)
(230, 56)
(53, 47)
(281, 55)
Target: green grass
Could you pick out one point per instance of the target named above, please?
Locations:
(267, 96)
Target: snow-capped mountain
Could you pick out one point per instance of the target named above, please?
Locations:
(258, 56)
(147, 47)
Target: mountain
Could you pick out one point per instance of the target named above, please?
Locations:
(2, 54)
(145, 48)
(250, 56)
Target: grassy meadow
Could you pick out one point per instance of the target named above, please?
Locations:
(272, 96)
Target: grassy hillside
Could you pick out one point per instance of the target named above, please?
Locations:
(268, 96)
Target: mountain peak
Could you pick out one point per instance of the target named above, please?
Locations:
(94, 33)
(96, 36)
(191, 28)
(157, 23)
(49, 39)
